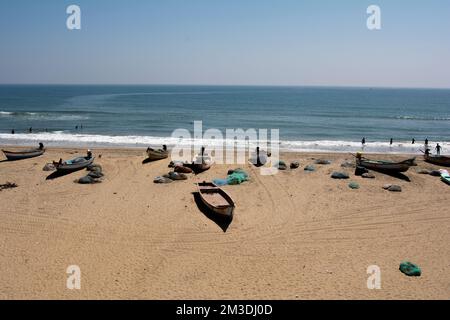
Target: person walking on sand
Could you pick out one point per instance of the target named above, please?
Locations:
(438, 149)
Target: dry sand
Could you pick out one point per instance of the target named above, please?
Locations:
(295, 235)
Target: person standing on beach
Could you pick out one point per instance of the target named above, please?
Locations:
(426, 142)
(363, 141)
(30, 130)
(413, 141)
(12, 131)
(438, 149)
(392, 140)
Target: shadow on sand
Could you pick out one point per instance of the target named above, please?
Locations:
(58, 174)
(223, 223)
(148, 160)
(397, 175)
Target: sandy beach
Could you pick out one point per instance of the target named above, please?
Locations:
(295, 235)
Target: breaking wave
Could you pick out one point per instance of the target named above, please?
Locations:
(66, 139)
(416, 118)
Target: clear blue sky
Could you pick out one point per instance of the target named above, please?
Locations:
(260, 42)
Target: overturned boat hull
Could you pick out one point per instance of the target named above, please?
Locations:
(438, 160)
(20, 155)
(154, 155)
(386, 166)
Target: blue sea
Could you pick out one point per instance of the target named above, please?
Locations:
(308, 118)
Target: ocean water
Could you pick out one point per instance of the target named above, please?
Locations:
(308, 118)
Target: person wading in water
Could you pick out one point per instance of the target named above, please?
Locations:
(438, 149)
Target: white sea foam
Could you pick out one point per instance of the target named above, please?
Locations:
(65, 139)
(43, 116)
(423, 118)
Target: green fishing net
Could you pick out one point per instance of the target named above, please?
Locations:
(237, 177)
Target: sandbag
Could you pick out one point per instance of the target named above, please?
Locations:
(294, 164)
(94, 167)
(322, 161)
(353, 185)
(49, 167)
(281, 165)
(95, 174)
(87, 180)
(340, 175)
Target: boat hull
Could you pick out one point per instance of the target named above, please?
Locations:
(438, 160)
(224, 209)
(446, 179)
(75, 166)
(13, 156)
(154, 155)
(394, 167)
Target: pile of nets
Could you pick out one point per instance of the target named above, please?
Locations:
(410, 269)
(234, 177)
(95, 175)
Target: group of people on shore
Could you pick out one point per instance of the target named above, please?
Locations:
(438, 147)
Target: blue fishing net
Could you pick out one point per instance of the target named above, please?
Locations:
(220, 182)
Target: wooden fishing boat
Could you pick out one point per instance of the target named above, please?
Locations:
(202, 162)
(438, 160)
(217, 200)
(24, 154)
(73, 164)
(386, 166)
(198, 167)
(259, 158)
(159, 154)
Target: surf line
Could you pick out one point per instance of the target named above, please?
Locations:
(186, 310)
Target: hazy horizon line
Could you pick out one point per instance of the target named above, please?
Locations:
(225, 85)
